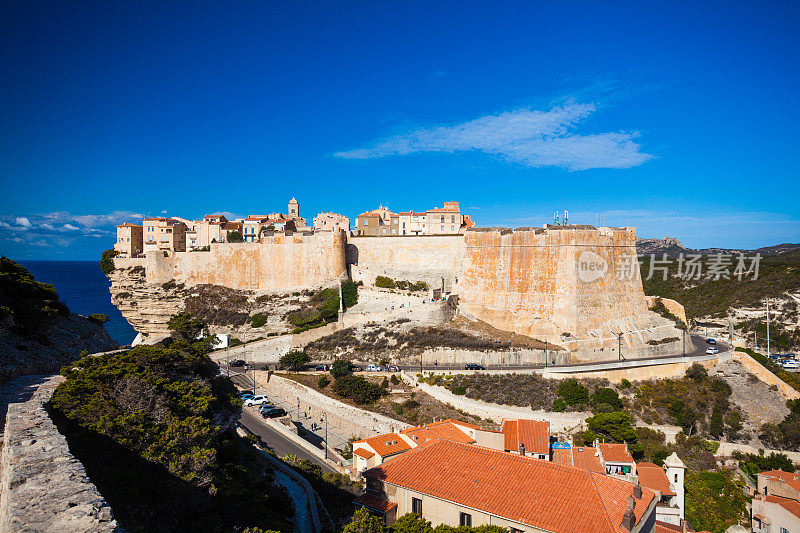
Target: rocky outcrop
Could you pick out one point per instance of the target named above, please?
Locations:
(42, 486)
(55, 342)
(668, 245)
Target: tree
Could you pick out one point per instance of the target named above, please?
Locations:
(605, 395)
(323, 381)
(235, 236)
(185, 326)
(340, 368)
(573, 392)
(107, 261)
(616, 425)
(365, 522)
(385, 282)
(697, 373)
(411, 523)
(349, 294)
(294, 360)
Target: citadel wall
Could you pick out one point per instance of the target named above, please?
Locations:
(576, 287)
(277, 263)
(430, 258)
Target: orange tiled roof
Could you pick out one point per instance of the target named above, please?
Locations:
(615, 453)
(793, 506)
(388, 444)
(793, 480)
(376, 504)
(534, 434)
(653, 477)
(579, 457)
(528, 491)
(430, 433)
(361, 452)
(468, 223)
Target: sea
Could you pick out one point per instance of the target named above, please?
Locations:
(84, 288)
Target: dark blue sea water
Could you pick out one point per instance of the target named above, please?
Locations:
(84, 288)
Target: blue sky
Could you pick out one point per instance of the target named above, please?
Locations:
(679, 118)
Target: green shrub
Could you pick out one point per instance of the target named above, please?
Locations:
(714, 502)
(573, 392)
(385, 282)
(625, 384)
(107, 261)
(185, 326)
(397, 408)
(458, 390)
(358, 389)
(394, 379)
(258, 320)
(616, 425)
(167, 285)
(235, 236)
(340, 368)
(98, 318)
(323, 308)
(697, 372)
(605, 395)
(294, 360)
(349, 294)
(323, 381)
(559, 405)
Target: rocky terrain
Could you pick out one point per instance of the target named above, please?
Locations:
(38, 334)
(148, 307)
(672, 246)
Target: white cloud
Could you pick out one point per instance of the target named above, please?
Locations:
(69, 227)
(23, 221)
(529, 137)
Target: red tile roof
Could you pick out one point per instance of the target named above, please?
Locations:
(436, 431)
(579, 457)
(528, 491)
(615, 453)
(793, 506)
(386, 445)
(793, 480)
(361, 452)
(376, 504)
(534, 434)
(653, 477)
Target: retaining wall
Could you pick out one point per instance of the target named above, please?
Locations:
(44, 487)
(755, 368)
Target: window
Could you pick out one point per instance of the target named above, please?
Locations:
(676, 478)
(452, 219)
(465, 519)
(442, 229)
(452, 228)
(416, 506)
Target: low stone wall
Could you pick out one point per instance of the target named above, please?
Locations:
(753, 366)
(345, 420)
(44, 488)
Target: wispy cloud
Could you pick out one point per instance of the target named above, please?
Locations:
(526, 136)
(60, 228)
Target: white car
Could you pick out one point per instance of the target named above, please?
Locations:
(256, 400)
(712, 350)
(791, 364)
(373, 368)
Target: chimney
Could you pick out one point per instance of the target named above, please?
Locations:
(522, 448)
(637, 491)
(628, 520)
(631, 503)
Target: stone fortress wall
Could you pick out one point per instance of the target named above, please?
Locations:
(574, 286)
(278, 263)
(539, 282)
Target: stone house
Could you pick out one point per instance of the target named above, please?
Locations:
(446, 220)
(161, 233)
(776, 507)
(130, 241)
(458, 484)
(413, 223)
(331, 222)
(252, 226)
(378, 223)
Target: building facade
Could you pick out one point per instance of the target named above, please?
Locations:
(331, 222)
(378, 223)
(160, 233)
(129, 240)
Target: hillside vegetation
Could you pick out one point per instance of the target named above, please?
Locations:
(777, 274)
(155, 429)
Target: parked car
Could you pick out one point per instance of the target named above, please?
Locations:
(712, 350)
(273, 413)
(473, 366)
(256, 400)
(355, 368)
(264, 406)
(393, 368)
(791, 365)
(236, 362)
(246, 395)
(711, 341)
(322, 368)
(373, 368)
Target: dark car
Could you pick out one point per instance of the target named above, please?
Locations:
(711, 341)
(355, 368)
(322, 368)
(236, 362)
(393, 368)
(246, 395)
(265, 407)
(473, 366)
(273, 413)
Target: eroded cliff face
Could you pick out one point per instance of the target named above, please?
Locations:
(149, 306)
(574, 286)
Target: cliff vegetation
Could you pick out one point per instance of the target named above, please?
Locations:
(155, 429)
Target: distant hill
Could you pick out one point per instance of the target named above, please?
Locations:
(672, 246)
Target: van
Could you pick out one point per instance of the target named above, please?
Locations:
(373, 368)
